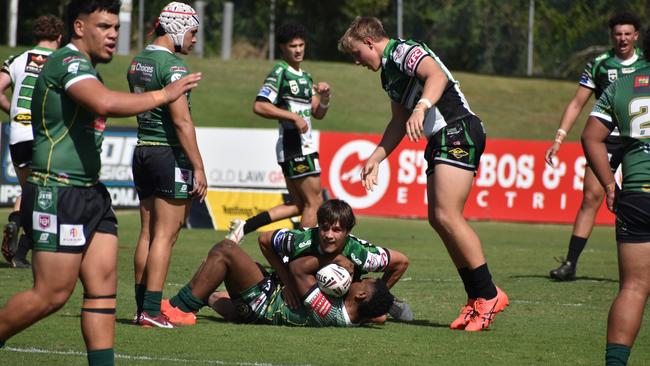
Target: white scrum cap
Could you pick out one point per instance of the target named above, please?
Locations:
(176, 19)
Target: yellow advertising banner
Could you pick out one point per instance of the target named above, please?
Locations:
(227, 204)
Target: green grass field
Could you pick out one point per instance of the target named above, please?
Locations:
(546, 323)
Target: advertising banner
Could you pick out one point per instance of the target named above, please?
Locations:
(513, 182)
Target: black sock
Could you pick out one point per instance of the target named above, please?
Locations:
(15, 217)
(24, 245)
(481, 284)
(576, 245)
(101, 357)
(257, 222)
(464, 275)
(616, 354)
(140, 288)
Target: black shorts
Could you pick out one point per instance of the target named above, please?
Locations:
(301, 166)
(460, 144)
(21, 153)
(633, 217)
(614, 151)
(64, 219)
(163, 171)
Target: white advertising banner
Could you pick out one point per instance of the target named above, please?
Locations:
(241, 157)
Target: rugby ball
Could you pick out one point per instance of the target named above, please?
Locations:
(334, 280)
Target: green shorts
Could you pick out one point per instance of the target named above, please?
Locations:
(301, 166)
(64, 219)
(460, 144)
(252, 303)
(163, 171)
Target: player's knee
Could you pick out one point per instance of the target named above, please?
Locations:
(440, 219)
(592, 198)
(221, 252)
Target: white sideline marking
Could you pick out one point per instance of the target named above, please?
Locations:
(546, 303)
(142, 358)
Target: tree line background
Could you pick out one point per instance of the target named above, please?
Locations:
(483, 36)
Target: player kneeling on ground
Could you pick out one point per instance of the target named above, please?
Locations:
(254, 296)
(330, 238)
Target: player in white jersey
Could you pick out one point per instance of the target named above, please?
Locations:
(20, 72)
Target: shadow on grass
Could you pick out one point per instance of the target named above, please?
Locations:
(579, 278)
(420, 323)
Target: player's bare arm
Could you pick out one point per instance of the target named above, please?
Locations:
(321, 101)
(569, 117)
(399, 263)
(100, 100)
(290, 294)
(180, 113)
(392, 136)
(593, 143)
(5, 83)
(270, 111)
(435, 82)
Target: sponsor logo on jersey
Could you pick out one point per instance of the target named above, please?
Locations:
(304, 244)
(99, 124)
(73, 68)
(321, 304)
(302, 81)
(44, 199)
(641, 84)
(44, 238)
(71, 235)
(69, 59)
(458, 153)
(294, 87)
(264, 92)
(399, 51)
(641, 81)
(301, 168)
(35, 63)
(178, 69)
(628, 70)
(416, 54)
(355, 259)
(175, 77)
(612, 74)
(24, 118)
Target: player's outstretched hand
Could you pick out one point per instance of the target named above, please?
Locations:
(551, 153)
(415, 125)
(369, 175)
(181, 86)
(301, 124)
(200, 185)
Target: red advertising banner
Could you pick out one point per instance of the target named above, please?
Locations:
(513, 182)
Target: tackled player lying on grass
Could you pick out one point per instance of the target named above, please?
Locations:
(254, 296)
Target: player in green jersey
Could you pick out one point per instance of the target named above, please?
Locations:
(290, 97)
(625, 105)
(254, 296)
(167, 165)
(331, 237)
(622, 59)
(426, 101)
(20, 73)
(65, 210)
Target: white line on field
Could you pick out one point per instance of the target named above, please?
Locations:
(546, 303)
(142, 358)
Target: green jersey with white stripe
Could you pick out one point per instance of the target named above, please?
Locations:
(67, 137)
(626, 104)
(365, 256)
(399, 79)
(152, 69)
(290, 89)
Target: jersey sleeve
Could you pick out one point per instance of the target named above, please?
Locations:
(76, 68)
(408, 57)
(173, 70)
(6, 67)
(271, 87)
(283, 242)
(587, 76)
(366, 256)
(325, 311)
(604, 107)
